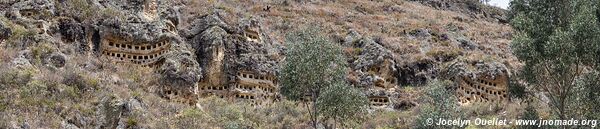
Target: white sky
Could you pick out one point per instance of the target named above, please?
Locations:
(500, 3)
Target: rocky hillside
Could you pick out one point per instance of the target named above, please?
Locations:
(187, 63)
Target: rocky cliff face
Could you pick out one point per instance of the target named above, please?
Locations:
(201, 55)
(209, 52)
(240, 61)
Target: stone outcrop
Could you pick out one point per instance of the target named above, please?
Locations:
(235, 60)
(113, 112)
(56, 60)
(377, 73)
(478, 81)
(376, 63)
(139, 32)
(146, 48)
(210, 52)
(33, 18)
(5, 32)
(240, 61)
(147, 38)
(71, 31)
(29, 9)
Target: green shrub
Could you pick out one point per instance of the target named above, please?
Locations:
(80, 81)
(18, 32)
(12, 77)
(443, 54)
(41, 51)
(343, 103)
(587, 96)
(87, 12)
(314, 68)
(438, 105)
(190, 118)
(556, 44)
(390, 119)
(32, 88)
(515, 89)
(282, 114)
(78, 8)
(529, 114)
(218, 113)
(3, 103)
(131, 122)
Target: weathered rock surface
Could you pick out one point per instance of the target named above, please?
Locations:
(113, 112)
(376, 71)
(71, 30)
(5, 31)
(374, 57)
(212, 53)
(152, 28)
(234, 59)
(479, 81)
(418, 72)
(57, 60)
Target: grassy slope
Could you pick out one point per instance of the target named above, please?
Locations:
(389, 20)
(43, 107)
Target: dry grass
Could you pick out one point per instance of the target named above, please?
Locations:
(219, 113)
(7, 55)
(388, 19)
(89, 79)
(44, 97)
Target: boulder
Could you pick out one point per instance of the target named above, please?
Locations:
(180, 71)
(420, 33)
(114, 112)
(23, 59)
(71, 30)
(110, 110)
(351, 38)
(5, 31)
(57, 60)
